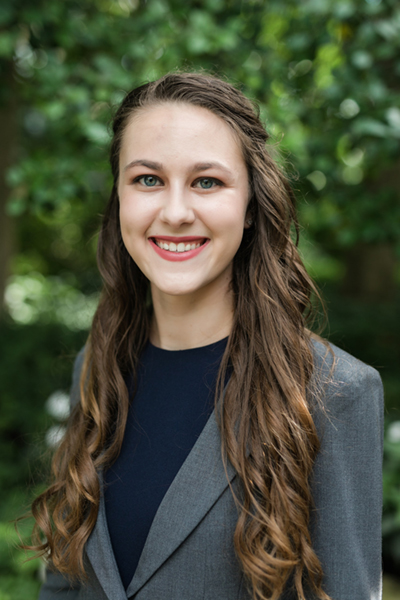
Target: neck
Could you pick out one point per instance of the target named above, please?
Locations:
(191, 321)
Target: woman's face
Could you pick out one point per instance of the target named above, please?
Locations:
(183, 191)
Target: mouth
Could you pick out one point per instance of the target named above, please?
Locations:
(179, 245)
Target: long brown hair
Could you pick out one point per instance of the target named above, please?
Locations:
(265, 417)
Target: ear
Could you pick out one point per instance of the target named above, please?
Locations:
(248, 221)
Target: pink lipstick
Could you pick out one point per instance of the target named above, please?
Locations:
(176, 251)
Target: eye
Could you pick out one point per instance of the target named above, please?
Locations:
(147, 180)
(206, 183)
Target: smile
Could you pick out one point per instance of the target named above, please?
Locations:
(178, 249)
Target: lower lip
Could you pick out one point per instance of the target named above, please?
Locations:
(177, 256)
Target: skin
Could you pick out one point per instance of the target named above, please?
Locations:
(182, 173)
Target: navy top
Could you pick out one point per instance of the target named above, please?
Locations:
(174, 399)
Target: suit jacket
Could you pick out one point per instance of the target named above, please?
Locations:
(189, 553)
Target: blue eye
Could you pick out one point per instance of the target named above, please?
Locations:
(149, 180)
(206, 183)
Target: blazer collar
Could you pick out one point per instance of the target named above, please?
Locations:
(197, 486)
(100, 553)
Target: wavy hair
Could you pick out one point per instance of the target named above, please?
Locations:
(265, 415)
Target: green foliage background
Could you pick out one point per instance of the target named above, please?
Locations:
(326, 76)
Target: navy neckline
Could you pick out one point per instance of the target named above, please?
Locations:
(208, 347)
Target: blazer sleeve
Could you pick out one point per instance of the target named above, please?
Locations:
(57, 587)
(347, 481)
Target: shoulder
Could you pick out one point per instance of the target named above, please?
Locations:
(346, 387)
(339, 371)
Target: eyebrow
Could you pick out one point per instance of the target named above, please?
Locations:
(144, 163)
(211, 165)
(196, 167)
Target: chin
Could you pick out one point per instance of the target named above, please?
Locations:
(177, 288)
(177, 291)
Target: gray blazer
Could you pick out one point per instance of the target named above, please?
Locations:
(189, 553)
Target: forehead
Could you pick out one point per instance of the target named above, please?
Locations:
(178, 128)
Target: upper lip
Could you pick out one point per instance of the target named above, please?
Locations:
(182, 238)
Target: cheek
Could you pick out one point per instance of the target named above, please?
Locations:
(134, 217)
(229, 220)
(126, 220)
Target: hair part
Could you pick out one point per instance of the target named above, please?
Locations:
(265, 414)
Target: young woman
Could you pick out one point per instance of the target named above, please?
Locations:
(216, 448)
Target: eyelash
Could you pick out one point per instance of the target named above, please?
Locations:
(137, 179)
(216, 182)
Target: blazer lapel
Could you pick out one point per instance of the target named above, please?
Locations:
(101, 556)
(197, 486)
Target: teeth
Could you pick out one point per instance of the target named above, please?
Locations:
(181, 247)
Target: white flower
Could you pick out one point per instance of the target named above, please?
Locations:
(57, 405)
(393, 432)
(54, 435)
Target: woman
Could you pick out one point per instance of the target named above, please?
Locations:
(274, 494)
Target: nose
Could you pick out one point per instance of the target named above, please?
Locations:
(176, 209)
